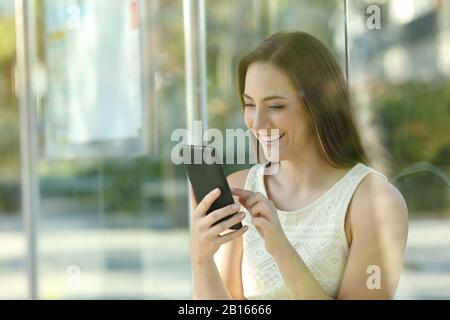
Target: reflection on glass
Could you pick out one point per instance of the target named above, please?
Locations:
(113, 225)
(117, 226)
(13, 279)
(235, 27)
(400, 81)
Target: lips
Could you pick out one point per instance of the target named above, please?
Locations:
(269, 140)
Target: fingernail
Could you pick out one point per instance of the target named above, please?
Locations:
(236, 206)
(242, 214)
(216, 190)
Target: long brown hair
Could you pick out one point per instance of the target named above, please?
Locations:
(318, 77)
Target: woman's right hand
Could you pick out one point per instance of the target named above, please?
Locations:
(206, 238)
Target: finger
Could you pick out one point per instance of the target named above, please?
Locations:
(218, 214)
(227, 224)
(252, 200)
(260, 209)
(244, 200)
(260, 222)
(241, 193)
(206, 202)
(232, 235)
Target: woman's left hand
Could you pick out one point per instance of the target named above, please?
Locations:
(264, 218)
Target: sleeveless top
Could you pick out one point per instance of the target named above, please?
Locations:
(316, 231)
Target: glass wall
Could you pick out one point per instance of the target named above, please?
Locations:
(114, 226)
(400, 79)
(236, 27)
(13, 283)
(109, 88)
(112, 209)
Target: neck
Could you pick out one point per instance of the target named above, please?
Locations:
(307, 169)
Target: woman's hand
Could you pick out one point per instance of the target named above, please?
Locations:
(264, 218)
(206, 238)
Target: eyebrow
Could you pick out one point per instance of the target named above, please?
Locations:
(266, 98)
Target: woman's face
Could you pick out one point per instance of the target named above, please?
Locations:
(273, 102)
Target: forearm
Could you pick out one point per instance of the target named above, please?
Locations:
(208, 283)
(299, 281)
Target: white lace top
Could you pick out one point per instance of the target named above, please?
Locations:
(316, 231)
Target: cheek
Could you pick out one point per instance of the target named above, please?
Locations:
(248, 118)
(297, 123)
(284, 121)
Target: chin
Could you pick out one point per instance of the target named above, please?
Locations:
(274, 157)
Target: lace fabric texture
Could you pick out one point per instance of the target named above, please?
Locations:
(316, 231)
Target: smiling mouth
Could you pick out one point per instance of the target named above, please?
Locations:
(269, 140)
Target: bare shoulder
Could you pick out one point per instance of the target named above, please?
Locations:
(378, 223)
(375, 189)
(376, 201)
(237, 179)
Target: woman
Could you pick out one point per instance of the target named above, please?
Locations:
(325, 225)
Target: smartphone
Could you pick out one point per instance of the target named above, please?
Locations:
(205, 175)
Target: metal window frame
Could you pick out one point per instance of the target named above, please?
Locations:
(25, 48)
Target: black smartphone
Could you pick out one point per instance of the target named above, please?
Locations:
(205, 175)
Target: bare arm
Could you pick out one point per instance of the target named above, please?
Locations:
(229, 256)
(208, 283)
(378, 224)
(298, 279)
(378, 219)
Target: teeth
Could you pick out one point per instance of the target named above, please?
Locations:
(271, 139)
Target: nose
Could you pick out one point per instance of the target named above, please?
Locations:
(260, 121)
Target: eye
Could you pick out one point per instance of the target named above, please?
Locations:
(277, 106)
(249, 105)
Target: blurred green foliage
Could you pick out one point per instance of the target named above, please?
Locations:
(415, 120)
(9, 120)
(7, 44)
